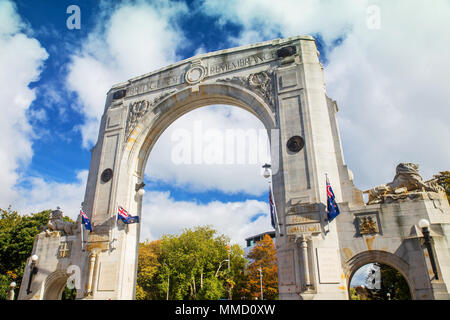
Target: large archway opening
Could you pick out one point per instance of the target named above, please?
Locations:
(204, 170)
(378, 281)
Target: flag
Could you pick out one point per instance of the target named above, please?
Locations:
(333, 209)
(125, 216)
(272, 210)
(85, 220)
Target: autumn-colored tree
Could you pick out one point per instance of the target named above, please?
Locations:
(148, 265)
(443, 179)
(263, 258)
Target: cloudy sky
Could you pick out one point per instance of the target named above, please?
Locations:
(385, 62)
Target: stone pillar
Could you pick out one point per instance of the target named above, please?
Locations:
(303, 242)
(92, 260)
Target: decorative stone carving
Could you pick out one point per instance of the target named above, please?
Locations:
(407, 179)
(57, 224)
(196, 73)
(138, 109)
(64, 249)
(367, 224)
(261, 83)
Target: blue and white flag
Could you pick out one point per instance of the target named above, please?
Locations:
(85, 220)
(333, 209)
(125, 216)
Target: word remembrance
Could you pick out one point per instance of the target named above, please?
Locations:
(323, 235)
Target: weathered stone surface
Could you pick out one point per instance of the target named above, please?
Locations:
(282, 83)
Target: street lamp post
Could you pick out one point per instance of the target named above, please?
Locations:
(33, 271)
(11, 290)
(424, 225)
(260, 282)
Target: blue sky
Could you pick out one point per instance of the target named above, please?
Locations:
(388, 75)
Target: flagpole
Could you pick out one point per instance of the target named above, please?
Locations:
(115, 229)
(274, 207)
(82, 230)
(326, 183)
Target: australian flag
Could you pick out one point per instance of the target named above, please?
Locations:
(85, 220)
(125, 216)
(272, 210)
(333, 209)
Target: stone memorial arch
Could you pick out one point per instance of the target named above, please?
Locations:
(282, 83)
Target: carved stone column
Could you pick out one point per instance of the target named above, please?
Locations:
(303, 244)
(93, 257)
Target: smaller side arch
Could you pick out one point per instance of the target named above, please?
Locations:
(54, 285)
(383, 257)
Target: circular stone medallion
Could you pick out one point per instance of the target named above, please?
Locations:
(106, 175)
(195, 74)
(295, 144)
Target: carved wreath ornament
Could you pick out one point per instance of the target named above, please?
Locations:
(261, 83)
(138, 109)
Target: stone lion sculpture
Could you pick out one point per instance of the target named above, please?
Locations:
(407, 178)
(56, 223)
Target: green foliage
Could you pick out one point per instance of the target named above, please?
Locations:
(17, 234)
(69, 294)
(148, 265)
(189, 266)
(212, 289)
(393, 282)
(5, 281)
(353, 294)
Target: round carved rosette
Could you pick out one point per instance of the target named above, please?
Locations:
(195, 74)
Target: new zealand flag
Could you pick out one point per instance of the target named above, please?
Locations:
(333, 209)
(125, 216)
(85, 220)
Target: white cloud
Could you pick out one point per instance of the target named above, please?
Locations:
(230, 178)
(391, 84)
(21, 61)
(134, 39)
(162, 215)
(42, 195)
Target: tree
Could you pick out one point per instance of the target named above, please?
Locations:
(263, 255)
(393, 285)
(17, 235)
(188, 266)
(148, 265)
(443, 179)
